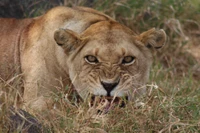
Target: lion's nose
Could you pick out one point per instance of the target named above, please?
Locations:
(109, 86)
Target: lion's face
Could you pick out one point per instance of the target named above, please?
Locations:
(107, 59)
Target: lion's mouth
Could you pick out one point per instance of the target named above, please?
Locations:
(102, 103)
(105, 103)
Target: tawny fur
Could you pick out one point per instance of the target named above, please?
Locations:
(49, 51)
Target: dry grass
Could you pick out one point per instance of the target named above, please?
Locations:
(172, 103)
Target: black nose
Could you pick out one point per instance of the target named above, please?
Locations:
(109, 86)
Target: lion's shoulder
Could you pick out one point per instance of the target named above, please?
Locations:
(74, 12)
(77, 19)
(77, 15)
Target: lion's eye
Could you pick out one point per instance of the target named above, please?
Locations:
(91, 59)
(128, 60)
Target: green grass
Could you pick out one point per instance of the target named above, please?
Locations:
(172, 103)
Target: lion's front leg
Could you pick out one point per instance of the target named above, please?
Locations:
(35, 98)
(37, 92)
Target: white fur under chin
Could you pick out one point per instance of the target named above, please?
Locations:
(100, 92)
(113, 93)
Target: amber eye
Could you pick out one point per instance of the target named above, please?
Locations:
(128, 60)
(91, 59)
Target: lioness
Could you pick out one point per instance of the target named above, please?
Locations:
(76, 46)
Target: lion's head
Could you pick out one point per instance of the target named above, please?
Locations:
(108, 59)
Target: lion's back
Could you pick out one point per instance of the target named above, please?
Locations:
(10, 34)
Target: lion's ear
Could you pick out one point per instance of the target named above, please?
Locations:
(67, 39)
(153, 38)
